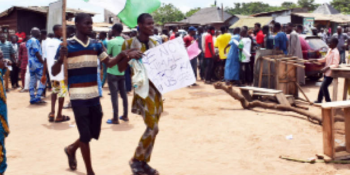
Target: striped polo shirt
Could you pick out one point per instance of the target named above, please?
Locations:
(82, 71)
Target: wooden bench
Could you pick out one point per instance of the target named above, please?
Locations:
(328, 129)
(281, 98)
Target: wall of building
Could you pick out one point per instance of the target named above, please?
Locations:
(26, 20)
(8, 24)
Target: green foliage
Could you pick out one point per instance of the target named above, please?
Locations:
(167, 13)
(192, 11)
(342, 6)
(309, 4)
(251, 8)
(289, 5)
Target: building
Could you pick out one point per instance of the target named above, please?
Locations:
(211, 16)
(23, 19)
(251, 21)
(281, 16)
(326, 9)
(110, 17)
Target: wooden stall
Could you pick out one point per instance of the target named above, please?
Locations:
(279, 72)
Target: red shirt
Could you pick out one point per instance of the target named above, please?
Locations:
(209, 39)
(20, 36)
(260, 37)
(23, 55)
(188, 39)
(172, 36)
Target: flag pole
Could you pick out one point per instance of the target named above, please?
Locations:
(64, 30)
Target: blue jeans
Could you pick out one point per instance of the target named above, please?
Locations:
(104, 74)
(342, 56)
(128, 79)
(194, 66)
(36, 72)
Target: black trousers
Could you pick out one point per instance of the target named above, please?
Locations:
(246, 75)
(14, 75)
(117, 84)
(324, 89)
(209, 68)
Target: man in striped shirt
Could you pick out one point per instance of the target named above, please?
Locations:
(82, 53)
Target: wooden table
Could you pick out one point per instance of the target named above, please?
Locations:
(328, 129)
(340, 72)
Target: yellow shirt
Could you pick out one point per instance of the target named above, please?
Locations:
(221, 42)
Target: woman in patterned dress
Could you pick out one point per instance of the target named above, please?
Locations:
(4, 129)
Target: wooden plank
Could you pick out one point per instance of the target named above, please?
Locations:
(301, 90)
(335, 89)
(336, 104)
(249, 88)
(282, 99)
(261, 71)
(347, 128)
(328, 135)
(277, 76)
(345, 90)
(64, 29)
(246, 95)
(269, 76)
(341, 155)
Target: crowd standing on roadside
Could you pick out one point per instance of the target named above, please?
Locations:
(227, 55)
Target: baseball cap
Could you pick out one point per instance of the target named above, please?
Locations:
(192, 29)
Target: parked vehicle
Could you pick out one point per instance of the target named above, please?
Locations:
(313, 48)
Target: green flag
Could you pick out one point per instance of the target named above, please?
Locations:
(134, 8)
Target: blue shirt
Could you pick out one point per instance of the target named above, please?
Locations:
(105, 43)
(281, 42)
(33, 47)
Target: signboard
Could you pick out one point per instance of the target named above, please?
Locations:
(309, 22)
(168, 66)
(54, 16)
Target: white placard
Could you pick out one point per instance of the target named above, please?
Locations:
(168, 66)
(52, 46)
(54, 16)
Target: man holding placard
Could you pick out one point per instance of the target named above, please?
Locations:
(151, 107)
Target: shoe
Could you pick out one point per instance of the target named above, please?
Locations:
(317, 102)
(194, 84)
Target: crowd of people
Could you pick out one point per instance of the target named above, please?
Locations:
(95, 59)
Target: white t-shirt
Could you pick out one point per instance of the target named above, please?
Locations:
(51, 47)
(247, 42)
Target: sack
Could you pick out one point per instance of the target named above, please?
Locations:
(140, 79)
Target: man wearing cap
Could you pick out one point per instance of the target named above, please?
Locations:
(189, 39)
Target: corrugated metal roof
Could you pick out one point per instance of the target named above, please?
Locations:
(337, 18)
(250, 22)
(326, 9)
(41, 9)
(207, 16)
(277, 11)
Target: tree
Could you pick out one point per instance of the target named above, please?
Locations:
(192, 11)
(342, 6)
(309, 4)
(250, 8)
(289, 5)
(167, 13)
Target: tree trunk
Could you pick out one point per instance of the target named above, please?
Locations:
(249, 105)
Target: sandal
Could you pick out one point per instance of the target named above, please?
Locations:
(71, 160)
(137, 167)
(51, 117)
(65, 119)
(125, 119)
(149, 170)
(111, 122)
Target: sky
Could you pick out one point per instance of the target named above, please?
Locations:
(183, 5)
